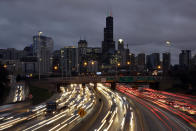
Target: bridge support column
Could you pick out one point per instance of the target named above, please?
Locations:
(113, 85)
(83, 85)
(95, 86)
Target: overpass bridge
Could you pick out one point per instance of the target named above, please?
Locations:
(109, 79)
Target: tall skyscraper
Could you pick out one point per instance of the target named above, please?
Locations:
(82, 54)
(141, 59)
(153, 61)
(166, 61)
(69, 60)
(108, 44)
(121, 52)
(185, 58)
(42, 49)
(120, 45)
(194, 60)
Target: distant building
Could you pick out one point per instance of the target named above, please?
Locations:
(127, 56)
(56, 61)
(153, 61)
(141, 62)
(69, 60)
(3, 54)
(28, 51)
(86, 55)
(132, 58)
(82, 57)
(166, 61)
(29, 65)
(194, 60)
(121, 52)
(11, 54)
(42, 49)
(185, 58)
(108, 44)
(141, 59)
(92, 66)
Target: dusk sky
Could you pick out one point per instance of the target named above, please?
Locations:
(144, 25)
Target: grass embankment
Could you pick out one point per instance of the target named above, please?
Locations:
(39, 94)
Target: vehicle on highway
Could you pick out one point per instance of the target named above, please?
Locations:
(52, 107)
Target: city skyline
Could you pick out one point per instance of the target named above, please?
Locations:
(146, 34)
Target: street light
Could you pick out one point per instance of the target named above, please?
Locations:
(85, 63)
(55, 67)
(92, 62)
(39, 34)
(159, 67)
(118, 64)
(62, 51)
(4, 66)
(128, 62)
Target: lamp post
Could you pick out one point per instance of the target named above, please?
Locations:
(93, 63)
(85, 64)
(62, 51)
(128, 63)
(39, 34)
(117, 65)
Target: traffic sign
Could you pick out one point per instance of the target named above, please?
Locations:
(126, 79)
(110, 79)
(81, 112)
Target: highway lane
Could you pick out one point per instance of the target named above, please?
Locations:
(154, 115)
(113, 113)
(33, 112)
(65, 119)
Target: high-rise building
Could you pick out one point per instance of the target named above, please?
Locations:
(166, 61)
(82, 54)
(42, 49)
(56, 61)
(69, 60)
(132, 58)
(140, 62)
(120, 45)
(141, 59)
(185, 58)
(153, 61)
(121, 52)
(194, 60)
(28, 51)
(108, 44)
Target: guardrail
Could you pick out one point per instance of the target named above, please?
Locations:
(118, 79)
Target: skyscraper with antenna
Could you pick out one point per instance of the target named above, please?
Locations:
(108, 44)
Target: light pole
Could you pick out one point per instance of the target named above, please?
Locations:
(128, 63)
(93, 67)
(39, 33)
(62, 51)
(85, 66)
(117, 65)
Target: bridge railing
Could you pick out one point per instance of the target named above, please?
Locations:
(96, 79)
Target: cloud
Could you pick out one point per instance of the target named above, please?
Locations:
(141, 23)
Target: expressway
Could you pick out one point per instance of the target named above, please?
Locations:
(113, 113)
(36, 118)
(126, 109)
(159, 110)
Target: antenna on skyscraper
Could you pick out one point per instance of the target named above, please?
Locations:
(110, 12)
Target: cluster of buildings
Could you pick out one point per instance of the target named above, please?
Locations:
(39, 59)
